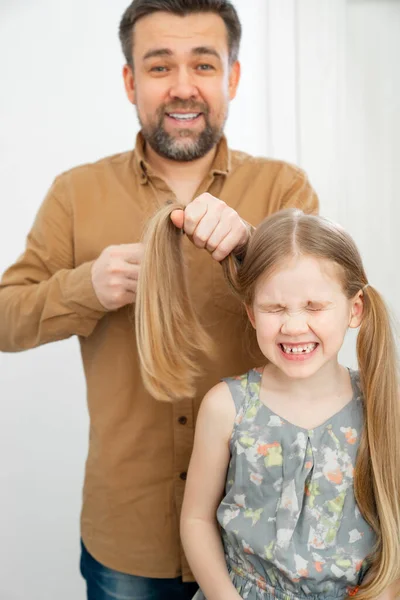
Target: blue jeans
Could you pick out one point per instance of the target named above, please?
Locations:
(105, 584)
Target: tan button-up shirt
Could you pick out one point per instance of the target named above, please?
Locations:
(139, 448)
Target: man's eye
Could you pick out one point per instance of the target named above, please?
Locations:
(275, 311)
(158, 69)
(205, 67)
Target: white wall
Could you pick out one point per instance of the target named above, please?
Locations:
(371, 207)
(319, 86)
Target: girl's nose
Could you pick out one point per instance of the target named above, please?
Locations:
(295, 324)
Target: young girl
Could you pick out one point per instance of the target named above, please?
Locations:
(293, 490)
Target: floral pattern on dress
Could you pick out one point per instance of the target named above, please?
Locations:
(290, 524)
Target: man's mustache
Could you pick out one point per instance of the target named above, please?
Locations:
(187, 106)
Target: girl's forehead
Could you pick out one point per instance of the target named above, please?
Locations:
(302, 275)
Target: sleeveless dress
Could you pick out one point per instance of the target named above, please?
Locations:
(290, 524)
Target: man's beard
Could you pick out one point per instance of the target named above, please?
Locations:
(196, 145)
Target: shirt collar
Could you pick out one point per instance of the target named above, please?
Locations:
(221, 164)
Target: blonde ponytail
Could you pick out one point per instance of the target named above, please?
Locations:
(379, 452)
(168, 332)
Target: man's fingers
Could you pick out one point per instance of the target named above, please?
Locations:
(133, 275)
(131, 271)
(122, 268)
(130, 286)
(115, 275)
(203, 232)
(194, 213)
(178, 218)
(231, 233)
(132, 253)
(208, 224)
(219, 233)
(226, 246)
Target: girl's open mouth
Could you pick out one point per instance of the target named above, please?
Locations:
(298, 352)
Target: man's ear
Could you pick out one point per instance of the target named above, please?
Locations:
(250, 314)
(357, 310)
(234, 78)
(129, 82)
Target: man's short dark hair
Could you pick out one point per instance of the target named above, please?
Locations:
(142, 8)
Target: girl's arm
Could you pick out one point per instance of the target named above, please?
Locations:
(204, 489)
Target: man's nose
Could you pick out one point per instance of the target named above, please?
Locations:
(183, 86)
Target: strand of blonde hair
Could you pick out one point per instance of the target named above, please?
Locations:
(169, 334)
(379, 452)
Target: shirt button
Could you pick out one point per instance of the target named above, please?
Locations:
(182, 420)
(183, 476)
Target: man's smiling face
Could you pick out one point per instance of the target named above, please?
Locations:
(182, 82)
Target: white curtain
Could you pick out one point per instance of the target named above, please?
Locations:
(326, 73)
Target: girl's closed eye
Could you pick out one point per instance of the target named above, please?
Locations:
(271, 308)
(318, 306)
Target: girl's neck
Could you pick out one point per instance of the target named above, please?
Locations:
(310, 402)
(331, 376)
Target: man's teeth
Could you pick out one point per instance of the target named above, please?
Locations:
(299, 349)
(186, 117)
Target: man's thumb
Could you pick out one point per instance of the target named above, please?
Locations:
(178, 218)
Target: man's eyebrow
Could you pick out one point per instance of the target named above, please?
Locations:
(157, 52)
(199, 51)
(205, 50)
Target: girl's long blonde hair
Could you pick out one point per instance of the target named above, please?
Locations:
(168, 331)
(169, 334)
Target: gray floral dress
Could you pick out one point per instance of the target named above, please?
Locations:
(290, 524)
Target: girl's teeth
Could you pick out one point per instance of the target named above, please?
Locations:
(299, 349)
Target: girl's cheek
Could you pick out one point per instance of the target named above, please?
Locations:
(268, 321)
(325, 323)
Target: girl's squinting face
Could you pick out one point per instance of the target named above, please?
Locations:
(301, 315)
